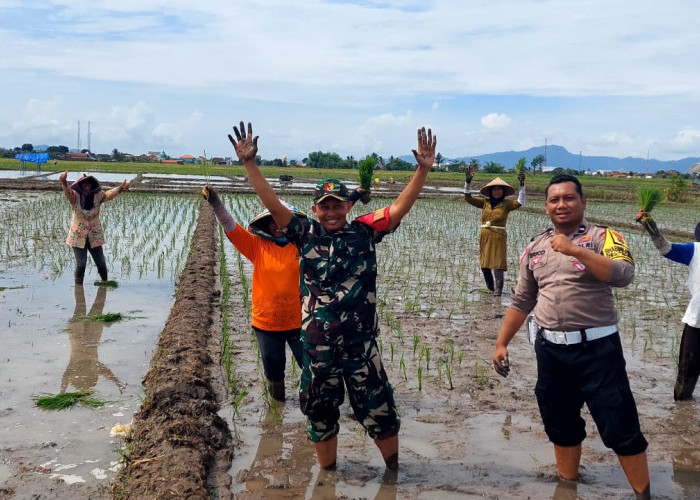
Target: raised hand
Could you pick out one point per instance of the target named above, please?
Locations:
(63, 177)
(521, 178)
(124, 186)
(210, 194)
(468, 175)
(425, 155)
(246, 146)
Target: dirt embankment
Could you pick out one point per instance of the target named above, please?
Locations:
(180, 447)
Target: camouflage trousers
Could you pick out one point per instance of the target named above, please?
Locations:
(328, 370)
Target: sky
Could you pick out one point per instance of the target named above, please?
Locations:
(354, 77)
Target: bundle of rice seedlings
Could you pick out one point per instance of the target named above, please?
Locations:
(67, 400)
(106, 317)
(648, 198)
(365, 170)
(110, 283)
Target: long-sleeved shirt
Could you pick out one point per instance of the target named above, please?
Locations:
(689, 254)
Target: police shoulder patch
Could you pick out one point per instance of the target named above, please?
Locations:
(615, 247)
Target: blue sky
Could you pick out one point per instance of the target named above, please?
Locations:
(354, 77)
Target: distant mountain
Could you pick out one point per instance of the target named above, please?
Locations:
(558, 156)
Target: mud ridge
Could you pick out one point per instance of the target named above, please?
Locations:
(178, 438)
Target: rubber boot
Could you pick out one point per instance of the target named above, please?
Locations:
(327, 452)
(389, 447)
(568, 459)
(276, 389)
(498, 277)
(688, 364)
(79, 275)
(488, 277)
(637, 472)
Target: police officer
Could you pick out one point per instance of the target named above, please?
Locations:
(566, 276)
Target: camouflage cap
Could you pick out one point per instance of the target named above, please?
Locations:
(332, 188)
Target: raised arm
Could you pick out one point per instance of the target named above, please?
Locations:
(425, 156)
(116, 191)
(70, 194)
(246, 147)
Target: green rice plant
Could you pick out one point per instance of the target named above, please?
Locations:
(448, 374)
(648, 198)
(106, 317)
(402, 367)
(420, 378)
(238, 401)
(391, 351)
(480, 373)
(365, 172)
(109, 283)
(68, 400)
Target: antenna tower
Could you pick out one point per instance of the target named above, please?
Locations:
(88, 138)
(78, 135)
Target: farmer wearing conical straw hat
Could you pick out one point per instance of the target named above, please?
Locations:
(86, 234)
(495, 208)
(689, 352)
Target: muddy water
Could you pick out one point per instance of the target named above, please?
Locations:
(480, 439)
(48, 348)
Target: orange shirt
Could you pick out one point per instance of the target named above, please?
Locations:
(276, 296)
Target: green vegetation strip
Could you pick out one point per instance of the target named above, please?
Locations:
(67, 400)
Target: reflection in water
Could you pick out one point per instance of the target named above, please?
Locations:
(282, 461)
(686, 459)
(565, 490)
(84, 334)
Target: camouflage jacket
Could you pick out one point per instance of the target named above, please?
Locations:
(339, 278)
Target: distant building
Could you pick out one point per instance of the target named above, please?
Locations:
(188, 159)
(76, 156)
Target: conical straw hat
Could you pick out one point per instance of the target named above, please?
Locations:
(507, 188)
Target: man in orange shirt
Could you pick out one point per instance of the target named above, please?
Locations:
(276, 299)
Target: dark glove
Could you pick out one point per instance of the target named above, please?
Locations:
(502, 368)
(211, 195)
(521, 178)
(361, 194)
(468, 176)
(649, 224)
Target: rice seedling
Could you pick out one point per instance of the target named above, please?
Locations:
(648, 198)
(106, 317)
(107, 283)
(68, 400)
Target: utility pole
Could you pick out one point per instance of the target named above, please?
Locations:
(78, 136)
(88, 138)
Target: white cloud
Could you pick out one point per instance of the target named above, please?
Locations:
(141, 70)
(495, 121)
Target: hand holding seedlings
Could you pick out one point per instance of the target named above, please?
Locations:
(246, 146)
(210, 195)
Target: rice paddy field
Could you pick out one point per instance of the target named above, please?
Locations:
(465, 431)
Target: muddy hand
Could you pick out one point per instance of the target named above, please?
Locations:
(468, 175)
(502, 367)
(210, 195)
(425, 155)
(246, 146)
(521, 178)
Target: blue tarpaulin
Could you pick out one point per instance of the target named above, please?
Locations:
(33, 157)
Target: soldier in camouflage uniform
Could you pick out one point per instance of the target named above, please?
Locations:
(339, 318)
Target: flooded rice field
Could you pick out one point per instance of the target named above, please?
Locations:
(466, 432)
